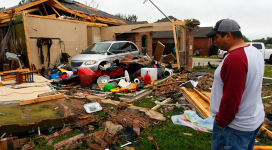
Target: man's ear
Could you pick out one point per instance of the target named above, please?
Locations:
(228, 35)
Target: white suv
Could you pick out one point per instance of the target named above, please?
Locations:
(102, 52)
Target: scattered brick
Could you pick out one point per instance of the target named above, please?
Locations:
(4, 144)
(50, 142)
(56, 135)
(22, 141)
(30, 143)
(126, 119)
(10, 143)
(150, 138)
(136, 126)
(95, 146)
(68, 142)
(47, 137)
(87, 121)
(159, 123)
(16, 143)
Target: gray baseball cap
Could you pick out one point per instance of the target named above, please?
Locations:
(224, 25)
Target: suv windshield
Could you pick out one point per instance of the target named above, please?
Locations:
(96, 48)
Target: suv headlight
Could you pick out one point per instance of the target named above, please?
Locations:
(90, 62)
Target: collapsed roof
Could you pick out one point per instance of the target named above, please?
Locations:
(63, 10)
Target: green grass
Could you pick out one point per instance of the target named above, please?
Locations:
(170, 136)
(210, 57)
(206, 69)
(268, 71)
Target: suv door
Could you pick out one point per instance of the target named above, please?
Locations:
(114, 49)
(125, 49)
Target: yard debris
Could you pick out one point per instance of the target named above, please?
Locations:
(114, 112)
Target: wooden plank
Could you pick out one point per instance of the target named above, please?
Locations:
(39, 10)
(58, 5)
(159, 51)
(31, 10)
(88, 23)
(163, 102)
(45, 9)
(56, 12)
(12, 71)
(268, 133)
(201, 95)
(41, 99)
(6, 20)
(262, 147)
(26, 40)
(179, 22)
(169, 58)
(5, 16)
(176, 43)
(28, 5)
(204, 111)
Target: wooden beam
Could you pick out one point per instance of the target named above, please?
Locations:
(5, 12)
(26, 40)
(88, 23)
(31, 10)
(41, 99)
(9, 15)
(45, 9)
(5, 16)
(179, 22)
(39, 10)
(14, 71)
(61, 7)
(262, 147)
(6, 20)
(56, 12)
(28, 5)
(163, 102)
(201, 95)
(176, 43)
(204, 111)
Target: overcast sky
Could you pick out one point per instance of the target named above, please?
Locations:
(254, 16)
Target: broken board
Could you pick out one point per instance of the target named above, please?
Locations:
(23, 91)
(159, 51)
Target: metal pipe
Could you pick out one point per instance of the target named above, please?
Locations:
(161, 11)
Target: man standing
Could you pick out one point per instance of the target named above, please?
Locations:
(236, 103)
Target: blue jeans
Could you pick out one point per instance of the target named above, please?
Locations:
(231, 139)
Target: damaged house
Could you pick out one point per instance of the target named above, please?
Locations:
(65, 26)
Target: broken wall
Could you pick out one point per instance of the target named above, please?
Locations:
(73, 34)
(137, 39)
(189, 48)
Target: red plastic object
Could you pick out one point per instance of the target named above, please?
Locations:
(117, 72)
(86, 80)
(147, 79)
(63, 76)
(85, 71)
